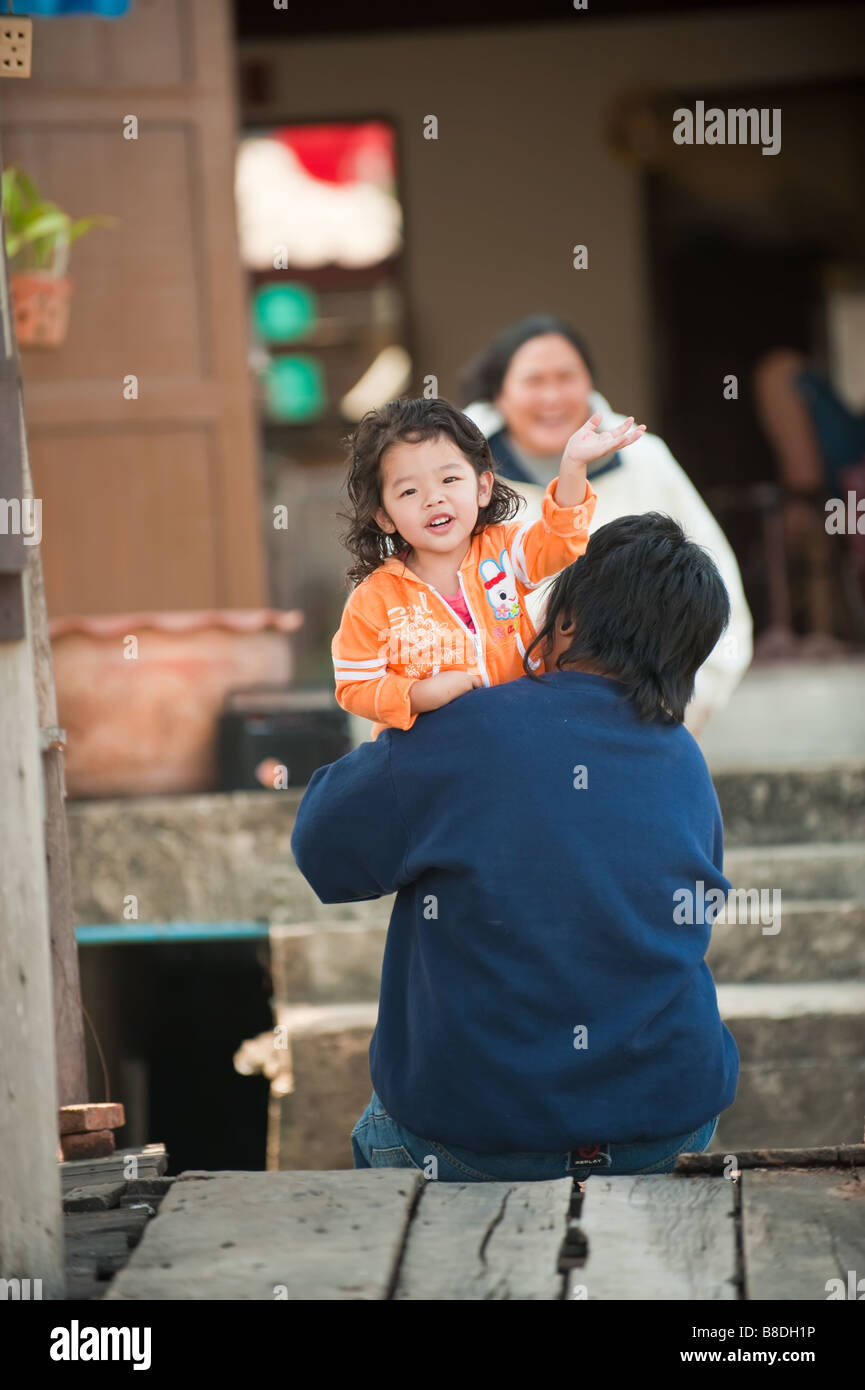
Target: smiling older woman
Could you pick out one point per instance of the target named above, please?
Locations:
(528, 391)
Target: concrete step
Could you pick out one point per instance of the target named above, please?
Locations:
(789, 1021)
(801, 1080)
(319, 1084)
(822, 940)
(227, 856)
(325, 962)
(789, 805)
(802, 1073)
(801, 871)
(808, 710)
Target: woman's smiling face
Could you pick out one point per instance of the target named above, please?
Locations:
(544, 395)
(431, 494)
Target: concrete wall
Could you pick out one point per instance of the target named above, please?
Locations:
(521, 170)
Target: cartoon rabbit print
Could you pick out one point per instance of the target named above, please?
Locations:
(500, 583)
(499, 580)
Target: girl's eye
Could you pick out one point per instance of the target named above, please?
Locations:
(407, 491)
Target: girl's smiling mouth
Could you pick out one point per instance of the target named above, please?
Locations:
(442, 522)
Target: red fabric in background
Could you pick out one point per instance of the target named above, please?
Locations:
(341, 153)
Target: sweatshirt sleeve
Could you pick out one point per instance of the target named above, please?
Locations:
(728, 661)
(542, 548)
(718, 840)
(350, 840)
(364, 684)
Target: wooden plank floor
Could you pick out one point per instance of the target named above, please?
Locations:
(293, 1235)
(493, 1240)
(802, 1229)
(658, 1238)
(386, 1233)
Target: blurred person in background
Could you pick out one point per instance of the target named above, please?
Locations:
(818, 445)
(528, 391)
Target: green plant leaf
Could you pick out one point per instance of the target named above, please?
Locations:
(44, 224)
(19, 195)
(84, 224)
(40, 210)
(11, 197)
(25, 185)
(37, 223)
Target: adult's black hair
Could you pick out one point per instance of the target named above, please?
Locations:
(647, 606)
(482, 379)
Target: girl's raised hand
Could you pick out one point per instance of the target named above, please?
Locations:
(589, 443)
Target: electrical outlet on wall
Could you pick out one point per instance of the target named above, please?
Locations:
(16, 45)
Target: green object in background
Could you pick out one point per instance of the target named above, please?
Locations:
(282, 313)
(295, 388)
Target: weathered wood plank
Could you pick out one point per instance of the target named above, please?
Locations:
(97, 1196)
(96, 1255)
(84, 1286)
(291, 1235)
(150, 1187)
(151, 1161)
(79, 1225)
(844, 1155)
(496, 1240)
(657, 1238)
(800, 1230)
(30, 1233)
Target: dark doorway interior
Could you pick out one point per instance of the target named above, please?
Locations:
(740, 250)
(170, 1018)
(723, 303)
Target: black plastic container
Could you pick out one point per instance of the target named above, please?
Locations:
(265, 729)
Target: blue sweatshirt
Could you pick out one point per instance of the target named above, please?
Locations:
(537, 992)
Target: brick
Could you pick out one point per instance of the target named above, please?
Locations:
(78, 1119)
(96, 1143)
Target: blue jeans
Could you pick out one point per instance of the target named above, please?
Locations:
(379, 1141)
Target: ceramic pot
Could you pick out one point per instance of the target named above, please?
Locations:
(41, 302)
(140, 694)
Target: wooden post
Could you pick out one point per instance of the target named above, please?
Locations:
(70, 1055)
(31, 1229)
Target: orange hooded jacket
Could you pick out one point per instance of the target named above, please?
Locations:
(397, 629)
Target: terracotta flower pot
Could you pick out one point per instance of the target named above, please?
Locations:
(140, 694)
(41, 301)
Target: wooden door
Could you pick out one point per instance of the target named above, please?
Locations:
(150, 502)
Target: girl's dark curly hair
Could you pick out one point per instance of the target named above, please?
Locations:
(409, 420)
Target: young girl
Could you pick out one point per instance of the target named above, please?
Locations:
(439, 574)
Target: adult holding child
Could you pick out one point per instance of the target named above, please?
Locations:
(542, 1011)
(529, 389)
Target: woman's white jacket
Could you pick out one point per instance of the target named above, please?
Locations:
(649, 479)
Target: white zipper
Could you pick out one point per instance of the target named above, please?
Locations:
(476, 634)
(476, 641)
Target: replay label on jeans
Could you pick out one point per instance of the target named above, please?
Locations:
(593, 1156)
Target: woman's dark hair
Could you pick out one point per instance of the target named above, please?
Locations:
(411, 420)
(482, 379)
(647, 606)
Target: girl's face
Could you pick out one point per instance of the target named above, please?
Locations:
(544, 396)
(431, 495)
